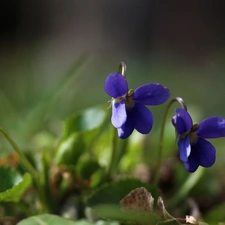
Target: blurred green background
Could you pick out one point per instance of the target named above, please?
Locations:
(178, 44)
(55, 56)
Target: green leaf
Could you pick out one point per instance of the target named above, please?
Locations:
(98, 177)
(70, 149)
(112, 193)
(13, 185)
(88, 123)
(102, 222)
(86, 120)
(47, 219)
(126, 217)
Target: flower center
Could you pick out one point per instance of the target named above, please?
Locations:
(191, 134)
(192, 137)
(129, 101)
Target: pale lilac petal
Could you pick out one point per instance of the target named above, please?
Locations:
(185, 148)
(151, 94)
(116, 85)
(206, 152)
(119, 115)
(143, 118)
(126, 130)
(213, 127)
(182, 121)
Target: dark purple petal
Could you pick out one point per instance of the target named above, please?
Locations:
(185, 148)
(143, 118)
(213, 127)
(116, 85)
(151, 94)
(191, 165)
(139, 118)
(193, 160)
(127, 128)
(206, 152)
(119, 115)
(182, 121)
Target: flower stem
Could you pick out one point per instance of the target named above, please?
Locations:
(113, 155)
(161, 137)
(119, 148)
(191, 181)
(122, 68)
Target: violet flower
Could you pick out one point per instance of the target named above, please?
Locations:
(128, 107)
(195, 151)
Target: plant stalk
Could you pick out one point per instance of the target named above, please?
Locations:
(161, 137)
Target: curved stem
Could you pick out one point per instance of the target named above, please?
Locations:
(161, 137)
(122, 68)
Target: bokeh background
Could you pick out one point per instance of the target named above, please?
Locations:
(55, 56)
(179, 44)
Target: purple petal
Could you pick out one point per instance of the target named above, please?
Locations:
(127, 128)
(191, 165)
(143, 118)
(185, 148)
(116, 85)
(213, 127)
(119, 115)
(182, 121)
(193, 160)
(151, 94)
(206, 152)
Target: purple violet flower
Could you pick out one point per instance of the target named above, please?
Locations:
(128, 107)
(195, 151)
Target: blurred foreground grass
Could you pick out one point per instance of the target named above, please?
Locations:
(50, 92)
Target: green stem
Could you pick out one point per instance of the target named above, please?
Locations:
(161, 137)
(191, 181)
(23, 158)
(113, 155)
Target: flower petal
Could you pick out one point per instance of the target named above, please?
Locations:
(212, 127)
(182, 121)
(143, 118)
(192, 164)
(193, 160)
(119, 115)
(206, 152)
(185, 148)
(127, 128)
(151, 94)
(116, 85)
